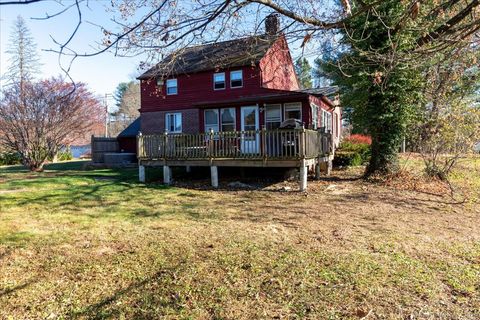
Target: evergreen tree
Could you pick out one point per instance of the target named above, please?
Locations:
(119, 93)
(384, 93)
(304, 73)
(23, 61)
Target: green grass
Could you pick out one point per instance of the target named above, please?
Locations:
(98, 244)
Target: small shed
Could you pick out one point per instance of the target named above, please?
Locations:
(127, 139)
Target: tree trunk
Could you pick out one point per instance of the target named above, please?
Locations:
(37, 167)
(34, 165)
(386, 123)
(384, 156)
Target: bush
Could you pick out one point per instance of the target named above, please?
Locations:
(359, 139)
(347, 158)
(65, 155)
(353, 151)
(10, 158)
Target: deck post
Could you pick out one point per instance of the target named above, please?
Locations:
(188, 169)
(141, 173)
(167, 175)
(326, 167)
(140, 153)
(263, 135)
(317, 169)
(214, 174)
(303, 176)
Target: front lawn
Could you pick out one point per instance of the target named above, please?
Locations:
(98, 244)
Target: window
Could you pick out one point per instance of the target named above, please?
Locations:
(327, 121)
(236, 79)
(172, 86)
(336, 125)
(173, 122)
(273, 115)
(219, 81)
(293, 111)
(211, 120)
(314, 117)
(228, 119)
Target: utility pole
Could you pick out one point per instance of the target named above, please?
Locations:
(107, 115)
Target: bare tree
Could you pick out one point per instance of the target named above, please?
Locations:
(47, 115)
(449, 121)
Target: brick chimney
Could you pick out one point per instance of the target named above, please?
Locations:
(272, 24)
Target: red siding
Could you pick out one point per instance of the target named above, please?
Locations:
(198, 87)
(277, 68)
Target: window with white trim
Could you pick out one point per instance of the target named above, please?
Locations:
(336, 125)
(327, 120)
(211, 120)
(329, 123)
(227, 117)
(173, 122)
(314, 116)
(172, 87)
(219, 81)
(293, 111)
(273, 116)
(236, 79)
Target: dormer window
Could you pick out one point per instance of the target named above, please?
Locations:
(219, 81)
(236, 79)
(172, 86)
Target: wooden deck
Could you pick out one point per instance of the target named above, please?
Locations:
(261, 148)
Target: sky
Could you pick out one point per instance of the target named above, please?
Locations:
(101, 73)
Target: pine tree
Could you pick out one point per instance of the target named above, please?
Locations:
(23, 61)
(304, 73)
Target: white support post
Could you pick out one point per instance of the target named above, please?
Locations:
(303, 176)
(214, 174)
(141, 173)
(167, 175)
(329, 167)
(188, 169)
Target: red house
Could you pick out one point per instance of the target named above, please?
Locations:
(243, 85)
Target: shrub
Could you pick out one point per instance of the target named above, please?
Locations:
(65, 155)
(10, 158)
(359, 139)
(353, 151)
(347, 158)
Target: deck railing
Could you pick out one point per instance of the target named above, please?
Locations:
(278, 144)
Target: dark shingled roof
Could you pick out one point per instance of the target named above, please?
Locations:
(132, 130)
(324, 91)
(220, 55)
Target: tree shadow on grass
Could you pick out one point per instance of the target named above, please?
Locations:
(108, 307)
(7, 291)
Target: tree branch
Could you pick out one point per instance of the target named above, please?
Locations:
(447, 26)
